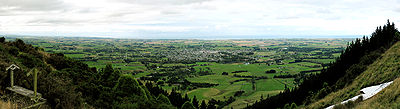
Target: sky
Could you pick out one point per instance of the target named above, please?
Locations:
(196, 18)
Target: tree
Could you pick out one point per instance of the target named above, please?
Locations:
(187, 105)
(294, 106)
(110, 76)
(186, 98)
(212, 103)
(270, 71)
(195, 102)
(107, 71)
(127, 86)
(2, 39)
(203, 105)
(164, 99)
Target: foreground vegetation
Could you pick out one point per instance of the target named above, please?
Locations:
(238, 72)
(67, 83)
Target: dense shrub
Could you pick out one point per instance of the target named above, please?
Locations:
(59, 92)
(187, 105)
(2, 39)
(68, 83)
(164, 99)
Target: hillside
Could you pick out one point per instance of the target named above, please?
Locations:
(382, 70)
(67, 83)
(388, 97)
(359, 56)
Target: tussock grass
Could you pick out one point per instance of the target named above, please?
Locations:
(384, 69)
(8, 105)
(387, 98)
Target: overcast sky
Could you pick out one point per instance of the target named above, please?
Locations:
(195, 18)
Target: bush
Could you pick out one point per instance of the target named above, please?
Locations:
(164, 99)
(59, 92)
(127, 86)
(128, 106)
(270, 71)
(58, 61)
(238, 93)
(29, 60)
(2, 39)
(187, 105)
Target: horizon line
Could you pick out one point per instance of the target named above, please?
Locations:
(208, 37)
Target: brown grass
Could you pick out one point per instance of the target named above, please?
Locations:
(8, 105)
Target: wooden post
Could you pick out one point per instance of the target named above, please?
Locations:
(35, 79)
(35, 83)
(12, 68)
(12, 78)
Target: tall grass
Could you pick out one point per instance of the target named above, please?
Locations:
(387, 98)
(8, 105)
(384, 69)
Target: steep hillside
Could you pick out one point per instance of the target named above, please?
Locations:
(384, 69)
(388, 97)
(352, 62)
(67, 83)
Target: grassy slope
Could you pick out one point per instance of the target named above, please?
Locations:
(382, 70)
(388, 97)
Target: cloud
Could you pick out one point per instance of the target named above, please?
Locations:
(324, 11)
(32, 5)
(163, 2)
(288, 17)
(170, 12)
(58, 21)
(195, 17)
(397, 9)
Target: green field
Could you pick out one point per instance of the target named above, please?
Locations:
(207, 69)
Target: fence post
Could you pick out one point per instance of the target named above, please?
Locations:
(12, 78)
(12, 68)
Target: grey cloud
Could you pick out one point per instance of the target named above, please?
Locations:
(123, 13)
(334, 18)
(87, 10)
(288, 17)
(397, 9)
(55, 21)
(5, 13)
(204, 7)
(33, 5)
(120, 14)
(170, 12)
(163, 2)
(324, 11)
(313, 2)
